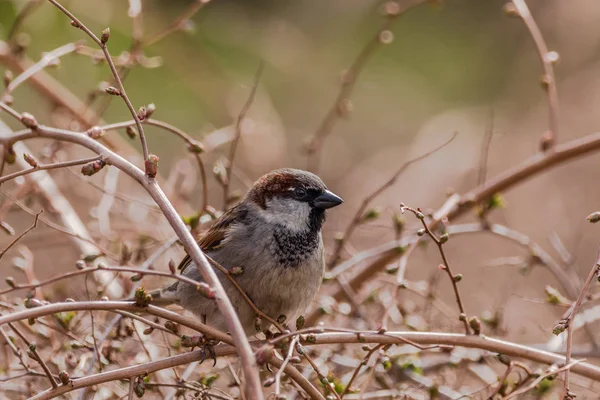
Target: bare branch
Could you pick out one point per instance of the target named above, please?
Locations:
(45, 167)
(565, 323)
(238, 132)
(151, 186)
(547, 58)
(113, 69)
(46, 60)
(35, 355)
(392, 11)
(339, 244)
(11, 244)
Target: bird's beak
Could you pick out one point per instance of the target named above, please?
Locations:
(327, 200)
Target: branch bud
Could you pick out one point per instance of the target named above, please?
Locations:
(10, 156)
(386, 37)
(8, 99)
(32, 302)
(131, 132)
(105, 36)
(511, 11)
(399, 224)
(93, 167)
(344, 108)
(113, 91)
(560, 327)
(444, 238)
(206, 291)
(172, 267)
(235, 271)
(10, 281)
(141, 114)
(220, 173)
(594, 217)
(475, 324)
(391, 9)
(29, 120)
(64, 377)
(546, 141)
(195, 147)
(264, 354)
(142, 297)
(8, 77)
(191, 341)
(30, 160)
(172, 326)
(139, 387)
(371, 215)
(95, 132)
(150, 108)
(300, 322)
(151, 165)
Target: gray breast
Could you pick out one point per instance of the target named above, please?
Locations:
(282, 271)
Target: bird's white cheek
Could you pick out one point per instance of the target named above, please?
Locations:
(292, 215)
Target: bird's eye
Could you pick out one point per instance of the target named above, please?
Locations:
(299, 193)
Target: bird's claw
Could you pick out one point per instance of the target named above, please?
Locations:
(208, 348)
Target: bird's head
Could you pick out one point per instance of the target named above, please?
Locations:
(293, 198)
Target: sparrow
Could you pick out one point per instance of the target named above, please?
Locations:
(273, 239)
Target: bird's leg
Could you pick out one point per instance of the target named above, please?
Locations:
(205, 344)
(208, 347)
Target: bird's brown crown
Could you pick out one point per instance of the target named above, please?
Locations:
(281, 182)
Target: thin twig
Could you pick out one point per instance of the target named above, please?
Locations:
(177, 24)
(144, 267)
(566, 322)
(238, 132)
(446, 266)
(458, 205)
(485, 149)
(32, 227)
(100, 267)
(35, 355)
(59, 228)
(113, 69)
(509, 369)
(46, 60)
(25, 12)
(364, 361)
(93, 326)
(350, 78)
(16, 351)
(548, 80)
(253, 386)
(320, 375)
(289, 355)
(194, 146)
(45, 167)
(550, 372)
(131, 383)
(356, 220)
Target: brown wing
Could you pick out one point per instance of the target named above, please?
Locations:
(214, 237)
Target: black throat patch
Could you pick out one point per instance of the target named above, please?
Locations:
(293, 248)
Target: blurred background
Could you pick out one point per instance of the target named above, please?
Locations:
(455, 66)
